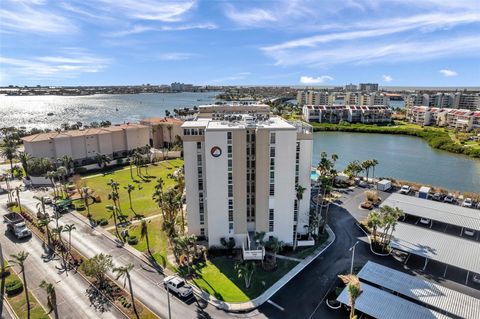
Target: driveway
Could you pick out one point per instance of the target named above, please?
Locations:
(70, 287)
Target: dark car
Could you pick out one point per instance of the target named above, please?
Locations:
(438, 197)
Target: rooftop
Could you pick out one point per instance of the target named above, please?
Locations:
(81, 132)
(161, 120)
(437, 211)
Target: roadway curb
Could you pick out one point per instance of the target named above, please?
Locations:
(257, 302)
(9, 308)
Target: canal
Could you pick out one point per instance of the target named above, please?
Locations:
(401, 157)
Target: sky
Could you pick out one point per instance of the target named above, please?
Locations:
(216, 42)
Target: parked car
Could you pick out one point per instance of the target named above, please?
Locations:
(178, 286)
(405, 189)
(476, 278)
(449, 199)
(437, 196)
(467, 202)
(469, 232)
(478, 205)
(425, 221)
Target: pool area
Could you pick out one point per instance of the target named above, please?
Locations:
(313, 175)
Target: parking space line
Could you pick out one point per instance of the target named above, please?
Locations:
(275, 305)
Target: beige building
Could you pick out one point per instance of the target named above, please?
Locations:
(242, 167)
(163, 130)
(83, 145)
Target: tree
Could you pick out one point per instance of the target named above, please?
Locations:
(354, 291)
(144, 235)
(353, 169)
(327, 175)
(374, 220)
(185, 246)
(9, 151)
(51, 297)
(179, 179)
(16, 191)
(51, 175)
(19, 260)
(24, 159)
(245, 270)
(68, 229)
(276, 246)
(124, 271)
(62, 175)
(374, 163)
(158, 195)
(130, 188)
(98, 267)
(114, 210)
(299, 189)
(41, 205)
(44, 223)
(67, 162)
(102, 160)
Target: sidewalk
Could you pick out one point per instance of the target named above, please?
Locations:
(257, 302)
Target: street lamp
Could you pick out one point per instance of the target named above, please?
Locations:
(352, 249)
(168, 298)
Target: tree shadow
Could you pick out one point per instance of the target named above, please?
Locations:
(98, 299)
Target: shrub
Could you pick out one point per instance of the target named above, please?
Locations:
(80, 170)
(11, 204)
(14, 287)
(119, 161)
(102, 222)
(132, 240)
(5, 274)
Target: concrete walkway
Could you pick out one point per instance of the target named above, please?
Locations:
(137, 221)
(285, 257)
(252, 304)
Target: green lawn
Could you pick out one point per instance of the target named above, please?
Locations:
(142, 201)
(19, 303)
(218, 277)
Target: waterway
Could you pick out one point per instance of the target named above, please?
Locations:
(33, 111)
(401, 157)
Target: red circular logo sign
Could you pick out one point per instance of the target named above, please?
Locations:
(216, 151)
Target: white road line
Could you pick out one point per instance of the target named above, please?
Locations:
(275, 305)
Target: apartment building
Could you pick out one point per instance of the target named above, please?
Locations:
(163, 130)
(460, 119)
(350, 113)
(424, 115)
(350, 87)
(311, 97)
(368, 87)
(469, 101)
(84, 144)
(241, 171)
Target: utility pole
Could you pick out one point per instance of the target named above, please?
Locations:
(352, 249)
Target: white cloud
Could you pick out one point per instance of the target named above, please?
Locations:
(136, 29)
(311, 80)
(166, 11)
(175, 56)
(377, 51)
(448, 73)
(32, 18)
(67, 66)
(387, 78)
(249, 17)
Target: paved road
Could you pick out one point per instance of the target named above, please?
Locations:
(148, 283)
(70, 287)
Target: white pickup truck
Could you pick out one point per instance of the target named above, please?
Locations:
(16, 224)
(178, 286)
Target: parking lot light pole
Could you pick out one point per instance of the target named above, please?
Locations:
(352, 249)
(168, 300)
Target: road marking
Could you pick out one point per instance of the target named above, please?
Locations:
(275, 305)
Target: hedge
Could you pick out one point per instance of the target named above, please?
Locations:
(14, 287)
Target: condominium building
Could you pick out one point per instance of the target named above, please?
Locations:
(84, 144)
(350, 87)
(452, 118)
(350, 113)
(424, 115)
(311, 97)
(368, 87)
(163, 130)
(242, 166)
(469, 101)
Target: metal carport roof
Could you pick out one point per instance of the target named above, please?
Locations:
(383, 305)
(441, 212)
(448, 249)
(417, 288)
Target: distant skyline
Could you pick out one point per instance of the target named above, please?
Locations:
(432, 43)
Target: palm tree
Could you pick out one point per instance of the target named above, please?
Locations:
(299, 194)
(84, 194)
(41, 205)
(130, 164)
(58, 232)
(51, 296)
(24, 159)
(374, 163)
(130, 188)
(366, 166)
(62, 174)
(19, 260)
(245, 270)
(144, 234)
(44, 223)
(374, 220)
(51, 175)
(124, 271)
(179, 178)
(16, 190)
(276, 246)
(113, 210)
(185, 246)
(68, 229)
(158, 195)
(67, 162)
(353, 169)
(9, 151)
(354, 291)
(102, 160)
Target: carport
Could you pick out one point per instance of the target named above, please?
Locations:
(435, 211)
(381, 304)
(429, 244)
(417, 289)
